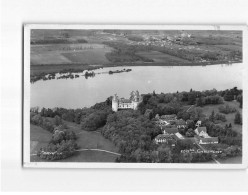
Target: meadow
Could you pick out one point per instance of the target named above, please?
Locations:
(69, 54)
(159, 57)
(39, 137)
(207, 110)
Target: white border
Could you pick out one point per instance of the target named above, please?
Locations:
(26, 100)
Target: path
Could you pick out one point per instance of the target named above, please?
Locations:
(93, 149)
(217, 162)
(100, 150)
(189, 108)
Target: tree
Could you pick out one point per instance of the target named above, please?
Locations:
(57, 120)
(238, 118)
(212, 116)
(240, 100)
(199, 102)
(192, 98)
(228, 96)
(164, 154)
(190, 133)
(190, 124)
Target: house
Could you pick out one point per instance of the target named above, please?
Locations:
(209, 140)
(163, 123)
(181, 124)
(203, 138)
(161, 138)
(169, 130)
(164, 138)
(201, 132)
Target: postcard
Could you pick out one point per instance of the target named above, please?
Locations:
(135, 96)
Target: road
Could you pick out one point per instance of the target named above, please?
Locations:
(201, 147)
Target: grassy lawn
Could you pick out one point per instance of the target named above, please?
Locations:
(207, 110)
(38, 138)
(91, 140)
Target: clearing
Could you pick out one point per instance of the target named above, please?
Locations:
(207, 110)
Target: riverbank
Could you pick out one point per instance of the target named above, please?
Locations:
(41, 70)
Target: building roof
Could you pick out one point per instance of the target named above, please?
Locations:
(200, 129)
(170, 130)
(180, 122)
(162, 136)
(179, 135)
(125, 101)
(172, 116)
(209, 139)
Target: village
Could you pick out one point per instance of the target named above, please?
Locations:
(171, 126)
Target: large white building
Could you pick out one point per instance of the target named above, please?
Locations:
(131, 103)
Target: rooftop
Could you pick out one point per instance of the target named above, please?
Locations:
(125, 101)
(200, 129)
(170, 130)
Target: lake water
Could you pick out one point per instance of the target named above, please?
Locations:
(81, 92)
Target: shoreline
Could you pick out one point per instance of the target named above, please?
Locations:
(36, 70)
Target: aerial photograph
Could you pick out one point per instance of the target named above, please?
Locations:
(136, 96)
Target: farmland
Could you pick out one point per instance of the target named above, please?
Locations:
(68, 54)
(162, 57)
(79, 49)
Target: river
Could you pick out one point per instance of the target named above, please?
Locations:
(81, 92)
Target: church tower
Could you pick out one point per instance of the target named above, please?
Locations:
(115, 103)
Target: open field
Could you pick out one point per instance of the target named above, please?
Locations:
(69, 53)
(38, 138)
(165, 48)
(162, 57)
(207, 110)
(49, 58)
(87, 140)
(96, 56)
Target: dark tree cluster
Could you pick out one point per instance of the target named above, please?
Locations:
(133, 134)
(59, 151)
(46, 123)
(215, 130)
(238, 118)
(231, 94)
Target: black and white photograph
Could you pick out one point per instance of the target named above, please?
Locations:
(124, 96)
(133, 96)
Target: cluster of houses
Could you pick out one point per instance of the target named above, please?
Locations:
(162, 40)
(170, 127)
